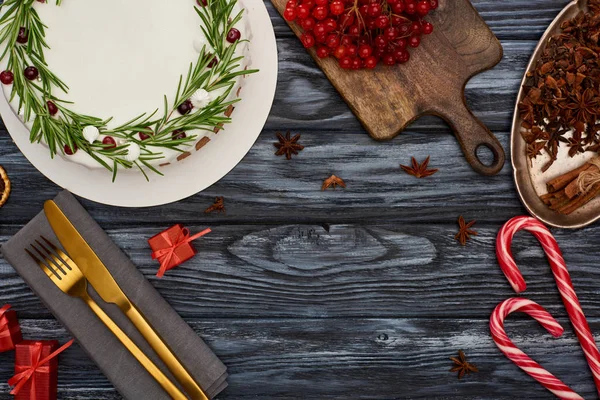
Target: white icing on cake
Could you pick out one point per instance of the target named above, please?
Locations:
(119, 58)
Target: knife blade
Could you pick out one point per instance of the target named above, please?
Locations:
(100, 278)
(80, 251)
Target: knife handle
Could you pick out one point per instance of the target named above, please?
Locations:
(139, 355)
(165, 353)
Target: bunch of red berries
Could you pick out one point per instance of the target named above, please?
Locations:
(361, 33)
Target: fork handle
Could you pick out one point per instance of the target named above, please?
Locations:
(165, 353)
(139, 355)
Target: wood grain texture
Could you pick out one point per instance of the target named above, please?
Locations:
(392, 358)
(349, 271)
(373, 308)
(386, 100)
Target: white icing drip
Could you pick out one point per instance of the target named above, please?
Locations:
(91, 133)
(201, 98)
(133, 152)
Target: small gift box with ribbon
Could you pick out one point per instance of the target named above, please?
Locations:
(10, 330)
(36, 369)
(173, 246)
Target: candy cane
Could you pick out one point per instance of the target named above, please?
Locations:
(561, 276)
(521, 359)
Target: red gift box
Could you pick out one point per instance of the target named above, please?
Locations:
(173, 246)
(10, 330)
(36, 369)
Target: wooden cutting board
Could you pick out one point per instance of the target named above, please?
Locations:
(387, 99)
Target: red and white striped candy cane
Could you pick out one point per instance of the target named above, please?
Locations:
(561, 276)
(523, 361)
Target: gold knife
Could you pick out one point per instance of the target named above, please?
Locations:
(107, 288)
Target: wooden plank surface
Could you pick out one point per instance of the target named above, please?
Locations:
(357, 293)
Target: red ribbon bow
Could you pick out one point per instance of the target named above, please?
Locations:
(3, 321)
(4, 329)
(24, 373)
(168, 254)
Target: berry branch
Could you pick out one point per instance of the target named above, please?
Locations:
(362, 33)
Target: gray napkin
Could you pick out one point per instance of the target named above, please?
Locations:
(121, 368)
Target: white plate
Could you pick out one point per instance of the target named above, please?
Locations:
(191, 175)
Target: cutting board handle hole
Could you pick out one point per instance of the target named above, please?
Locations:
(486, 154)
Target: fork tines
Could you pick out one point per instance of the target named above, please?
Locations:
(55, 263)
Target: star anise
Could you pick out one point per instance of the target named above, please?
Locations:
(287, 145)
(561, 91)
(218, 206)
(465, 232)
(419, 170)
(583, 106)
(535, 149)
(332, 182)
(461, 365)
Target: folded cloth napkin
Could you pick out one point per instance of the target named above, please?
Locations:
(121, 368)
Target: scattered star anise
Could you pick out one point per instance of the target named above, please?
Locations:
(4, 186)
(465, 232)
(287, 145)
(419, 170)
(218, 206)
(561, 92)
(461, 365)
(332, 182)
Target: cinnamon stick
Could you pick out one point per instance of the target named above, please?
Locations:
(580, 200)
(572, 189)
(562, 181)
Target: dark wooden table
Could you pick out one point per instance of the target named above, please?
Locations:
(355, 293)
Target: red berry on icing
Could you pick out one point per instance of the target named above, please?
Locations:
(213, 62)
(23, 35)
(144, 135)
(185, 107)
(176, 135)
(109, 142)
(233, 35)
(7, 77)
(70, 151)
(52, 109)
(31, 73)
(202, 3)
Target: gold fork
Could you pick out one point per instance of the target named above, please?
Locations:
(61, 269)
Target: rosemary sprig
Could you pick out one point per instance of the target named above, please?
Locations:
(65, 129)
